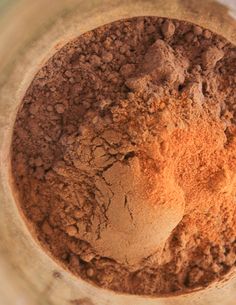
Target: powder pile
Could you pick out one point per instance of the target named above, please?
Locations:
(123, 156)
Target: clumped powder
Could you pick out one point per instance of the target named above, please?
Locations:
(123, 156)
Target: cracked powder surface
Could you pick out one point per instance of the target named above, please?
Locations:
(123, 156)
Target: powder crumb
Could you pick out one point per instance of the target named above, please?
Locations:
(126, 70)
(107, 57)
(211, 56)
(49, 108)
(47, 228)
(207, 34)
(60, 108)
(197, 30)
(168, 28)
(189, 36)
(87, 257)
(90, 272)
(195, 276)
(71, 230)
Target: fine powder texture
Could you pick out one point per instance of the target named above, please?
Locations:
(123, 156)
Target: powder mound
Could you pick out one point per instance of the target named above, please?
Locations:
(123, 156)
(138, 203)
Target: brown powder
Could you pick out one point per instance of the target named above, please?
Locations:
(123, 155)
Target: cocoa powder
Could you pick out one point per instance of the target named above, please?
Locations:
(123, 156)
